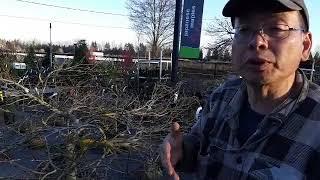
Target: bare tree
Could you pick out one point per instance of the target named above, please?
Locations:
(221, 31)
(154, 19)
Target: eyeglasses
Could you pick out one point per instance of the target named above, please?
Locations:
(244, 33)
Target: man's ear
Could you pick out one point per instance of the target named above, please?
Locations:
(307, 44)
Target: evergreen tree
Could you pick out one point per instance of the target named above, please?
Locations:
(107, 49)
(94, 46)
(142, 50)
(130, 48)
(30, 59)
(46, 59)
(316, 57)
(81, 53)
(201, 55)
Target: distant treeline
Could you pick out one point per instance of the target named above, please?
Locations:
(108, 48)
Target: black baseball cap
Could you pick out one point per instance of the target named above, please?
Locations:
(236, 8)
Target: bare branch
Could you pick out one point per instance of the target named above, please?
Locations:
(153, 18)
(221, 32)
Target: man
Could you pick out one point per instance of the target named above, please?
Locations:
(265, 125)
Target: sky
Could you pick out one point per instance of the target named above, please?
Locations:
(28, 22)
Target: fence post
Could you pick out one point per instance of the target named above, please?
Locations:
(160, 73)
(312, 70)
(149, 58)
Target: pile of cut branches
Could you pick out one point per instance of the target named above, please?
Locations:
(87, 121)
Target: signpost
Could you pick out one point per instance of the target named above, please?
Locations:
(175, 50)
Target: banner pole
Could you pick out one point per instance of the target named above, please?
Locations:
(175, 49)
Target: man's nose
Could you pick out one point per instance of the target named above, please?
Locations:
(258, 41)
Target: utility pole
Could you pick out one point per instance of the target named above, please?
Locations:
(175, 49)
(50, 49)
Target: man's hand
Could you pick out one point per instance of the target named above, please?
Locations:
(171, 150)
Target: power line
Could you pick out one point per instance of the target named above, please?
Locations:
(74, 9)
(64, 22)
(84, 10)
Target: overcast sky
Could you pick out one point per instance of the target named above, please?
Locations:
(27, 22)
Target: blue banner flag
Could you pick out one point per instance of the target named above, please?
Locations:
(191, 28)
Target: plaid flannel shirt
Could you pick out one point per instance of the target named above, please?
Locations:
(286, 144)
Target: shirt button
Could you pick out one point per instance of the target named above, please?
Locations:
(239, 160)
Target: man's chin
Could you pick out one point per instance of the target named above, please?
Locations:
(258, 80)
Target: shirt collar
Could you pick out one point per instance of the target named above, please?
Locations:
(298, 93)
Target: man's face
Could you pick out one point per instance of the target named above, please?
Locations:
(261, 59)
